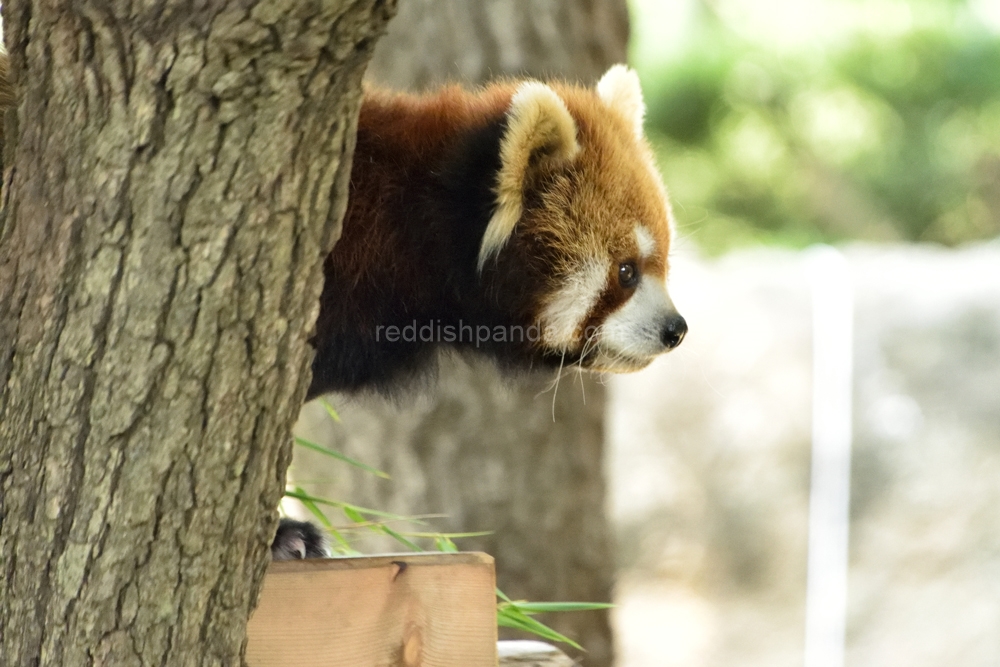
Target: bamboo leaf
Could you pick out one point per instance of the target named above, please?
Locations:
(330, 411)
(451, 536)
(545, 607)
(300, 495)
(315, 511)
(509, 616)
(353, 514)
(399, 538)
(308, 444)
(443, 543)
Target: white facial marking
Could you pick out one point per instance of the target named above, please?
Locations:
(645, 241)
(634, 330)
(565, 312)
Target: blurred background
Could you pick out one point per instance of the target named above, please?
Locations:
(682, 492)
(790, 123)
(874, 126)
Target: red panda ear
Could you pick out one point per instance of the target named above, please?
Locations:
(619, 89)
(540, 136)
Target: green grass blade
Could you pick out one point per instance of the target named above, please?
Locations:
(450, 536)
(330, 411)
(399, 538)
(353, 514)
(308, 444)
(444, 543)
(344, 546)
(546, 607)
(509, 616)
(316, 512)
(300, 495)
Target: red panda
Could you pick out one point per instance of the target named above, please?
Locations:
(525, 221)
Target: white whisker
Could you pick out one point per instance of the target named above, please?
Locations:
(555, 391)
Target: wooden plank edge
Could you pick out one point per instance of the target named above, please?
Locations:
(381, 560)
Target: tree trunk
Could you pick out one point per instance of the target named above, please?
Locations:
(179, 174)
(489, 453)
(440, 41)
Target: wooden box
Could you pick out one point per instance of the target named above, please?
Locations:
(405, 610)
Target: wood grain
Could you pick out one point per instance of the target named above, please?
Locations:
(405, 610)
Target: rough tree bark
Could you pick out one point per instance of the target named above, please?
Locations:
(179, 173)
(491, 454)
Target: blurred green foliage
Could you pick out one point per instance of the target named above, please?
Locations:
(873, 136)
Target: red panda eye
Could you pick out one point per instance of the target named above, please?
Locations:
(628, 274)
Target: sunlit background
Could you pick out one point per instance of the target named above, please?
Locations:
(795, 122)
(875, 127)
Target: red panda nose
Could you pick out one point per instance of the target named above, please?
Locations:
(673, 331)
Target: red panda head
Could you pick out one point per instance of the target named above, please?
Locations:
(581, 210)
